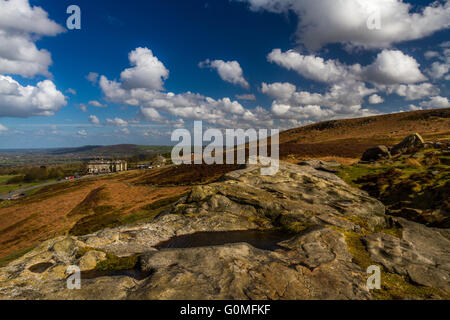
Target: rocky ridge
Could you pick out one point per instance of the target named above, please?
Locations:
(331, 226)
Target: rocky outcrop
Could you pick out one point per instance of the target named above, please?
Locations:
(315, 209)
(410, 142)
(423, 254)
(327, 166)
(377, 153)
(311, 264)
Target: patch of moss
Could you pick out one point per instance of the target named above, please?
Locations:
(419, 182)
(261, 222)
(394, 287)
(395, 231)
(359, 221)
(115, 263)
(112, 262)
(82, 251)
(350, 174)
(357, 249)
(296, 227)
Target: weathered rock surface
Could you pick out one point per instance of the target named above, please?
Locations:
(376, 153)
(423, 254)
(327, 166)
(90, 260)
(410, 142)
(312, 264)
(315, 263)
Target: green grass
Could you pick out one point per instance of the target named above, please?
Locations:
(421, 183)
(6, 188)
(5, 178)
(16, 255)
(350, 174)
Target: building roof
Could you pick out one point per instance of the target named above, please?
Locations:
(106, 161)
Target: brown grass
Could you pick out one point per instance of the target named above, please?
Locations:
(346, 140)
(54, 210)
(184, 175)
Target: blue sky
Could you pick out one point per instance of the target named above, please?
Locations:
(159, 65)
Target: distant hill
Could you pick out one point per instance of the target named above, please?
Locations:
(120, 150)
(342, 140)
(349, 138)
(16, 157)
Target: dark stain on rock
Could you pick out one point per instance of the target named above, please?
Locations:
(265, 240)
(40, 267)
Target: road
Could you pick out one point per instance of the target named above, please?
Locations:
(5, 196)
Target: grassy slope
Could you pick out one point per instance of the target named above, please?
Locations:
(415, 186)
(5, 188)
(348, 139)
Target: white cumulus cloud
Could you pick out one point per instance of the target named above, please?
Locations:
(97, 104)
(312, 67)
(94, 120)
(118, 122)
(248, 97)
(322, 22)
(148, 72)
(154, 104)
(436, 102)
(389, 67)
(278, 90)
(393, 66)
(229, 71)
(19, 101)
(20, 26)
(375, 99)
(82, 133)
(414, 91)
(92, 77)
